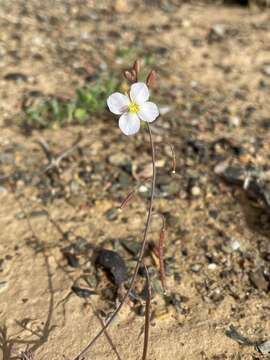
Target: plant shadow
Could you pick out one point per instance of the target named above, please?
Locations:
(8, 343)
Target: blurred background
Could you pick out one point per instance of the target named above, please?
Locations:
(52, 53)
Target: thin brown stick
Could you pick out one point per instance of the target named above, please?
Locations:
(147, 316)
(127, 199)
(108, 337)
(55, 160)
(131, 194)
(54, 223)
(173, 159)
(141, 254)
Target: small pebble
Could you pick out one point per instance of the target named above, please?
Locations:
(235, 245)
(266, 69)
(20, 215)
(119, 159)
(196, 268)
(195, 191)
(3, 285)
(3, 190)
(258, 281)
(143, 189)
(81, 292)
(131, 245)
(111, 214)
(15, 77)
(212, 266)
(234, 121)
(72, 260)
(264, 347)
(216, 33)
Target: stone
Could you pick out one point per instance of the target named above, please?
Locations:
(212, 266)
(172, 188)
(111, 214)
(266, 69)
(264, 348)
(258, 281)
(196, 268)
(216, 33)
(3, 285)
(195, 191)
(234, 121)
(119, 159)
(15, 77)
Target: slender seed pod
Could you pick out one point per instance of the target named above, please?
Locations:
(134, 75)
(151, 78)
(136, 67)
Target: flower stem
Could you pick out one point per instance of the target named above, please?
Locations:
(147, 315)
(141, 255)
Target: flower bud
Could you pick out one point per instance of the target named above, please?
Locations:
(128, 75)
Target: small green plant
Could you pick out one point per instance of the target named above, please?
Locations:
(94, 97)
(54, 112)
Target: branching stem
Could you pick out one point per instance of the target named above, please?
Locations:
(141, 255)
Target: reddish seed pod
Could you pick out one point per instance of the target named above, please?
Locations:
(151, 78)
(134, 75)
(136, 67)
(162, 237)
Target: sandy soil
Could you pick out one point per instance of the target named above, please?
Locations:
(215, 80)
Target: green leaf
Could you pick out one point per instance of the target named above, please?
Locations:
(81, 114)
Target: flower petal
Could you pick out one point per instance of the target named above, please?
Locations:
(118, 103)
(129, 123)
(139, 93)
(148, 111)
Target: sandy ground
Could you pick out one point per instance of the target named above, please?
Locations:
(216, 84)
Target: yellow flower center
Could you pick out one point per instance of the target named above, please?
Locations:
(133, 107)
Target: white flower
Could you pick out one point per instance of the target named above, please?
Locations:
(133, 108)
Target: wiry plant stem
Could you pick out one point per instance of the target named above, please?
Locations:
(109, 338)
(147, 315)
(141, 254)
